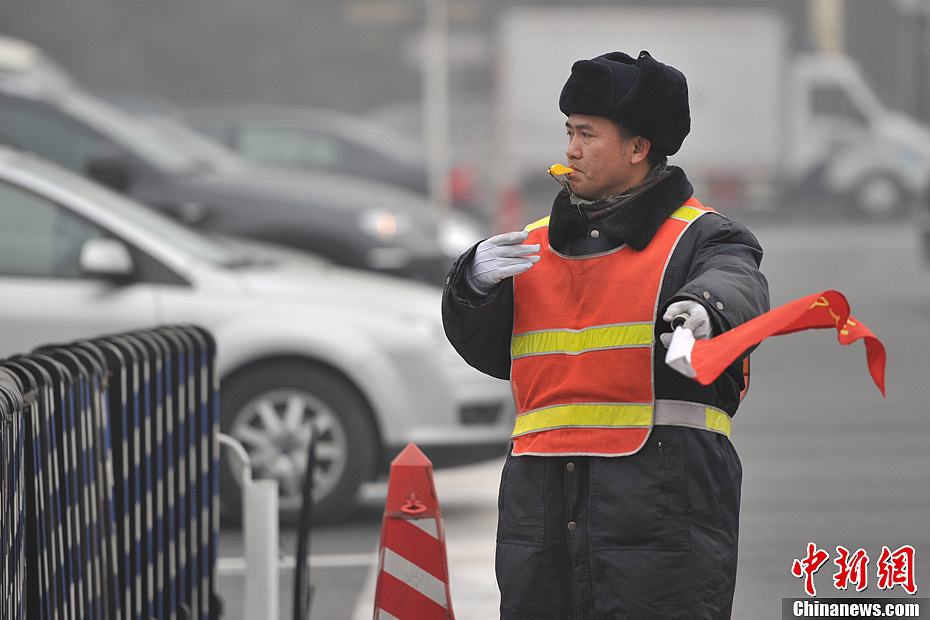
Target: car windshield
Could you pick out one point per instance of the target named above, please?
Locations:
(203, 150)
(168, 231)
(383, 139)
(131, 133)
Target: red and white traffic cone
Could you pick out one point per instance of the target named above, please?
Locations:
(413, 577)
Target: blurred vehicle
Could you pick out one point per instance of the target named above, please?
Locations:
(765, 121)
(320, 139)
(456, 231)
(349, 220)
(358, 357)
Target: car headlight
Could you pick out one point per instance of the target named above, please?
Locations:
(384, 225)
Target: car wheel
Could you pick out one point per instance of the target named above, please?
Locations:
(880, 196)
(271, 410)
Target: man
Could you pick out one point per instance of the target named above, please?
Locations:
(620, 498)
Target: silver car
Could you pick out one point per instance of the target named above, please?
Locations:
(358, 357)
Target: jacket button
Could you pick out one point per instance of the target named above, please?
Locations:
(706, 295)
(570, 466)
(719, 305)
(595, 234)
(572, 526)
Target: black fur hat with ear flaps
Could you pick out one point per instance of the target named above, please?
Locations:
(645, 96)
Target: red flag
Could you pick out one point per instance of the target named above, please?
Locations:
(710, 358)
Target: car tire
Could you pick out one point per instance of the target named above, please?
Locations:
(269, 409)
(880, 197)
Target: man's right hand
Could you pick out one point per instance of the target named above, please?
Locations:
(498, 258)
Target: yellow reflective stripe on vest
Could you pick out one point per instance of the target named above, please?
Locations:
(606, 415)
(537, 224)
(576, 341)
(687, 214)
(584, 415)
(718, 421)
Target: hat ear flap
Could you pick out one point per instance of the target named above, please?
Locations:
(661, 105)
(589, 89)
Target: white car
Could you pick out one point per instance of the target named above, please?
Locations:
(361, 358)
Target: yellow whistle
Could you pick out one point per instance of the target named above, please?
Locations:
(560, 169)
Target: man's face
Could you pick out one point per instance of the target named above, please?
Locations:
(602, 160)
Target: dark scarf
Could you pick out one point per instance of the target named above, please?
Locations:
(595, 209)
(632, 219)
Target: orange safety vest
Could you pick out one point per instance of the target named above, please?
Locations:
(582, 344)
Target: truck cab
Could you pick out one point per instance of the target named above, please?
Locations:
(845, 140)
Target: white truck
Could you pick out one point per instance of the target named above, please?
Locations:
(766, 122)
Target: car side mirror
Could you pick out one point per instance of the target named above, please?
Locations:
(106, 258)
(111, 170)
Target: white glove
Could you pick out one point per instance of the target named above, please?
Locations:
(500, 257)
(698, 320)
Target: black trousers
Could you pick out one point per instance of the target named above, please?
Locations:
(648, 536)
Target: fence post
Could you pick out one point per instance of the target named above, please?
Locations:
(260, 531)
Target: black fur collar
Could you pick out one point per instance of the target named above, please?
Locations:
(634, 223)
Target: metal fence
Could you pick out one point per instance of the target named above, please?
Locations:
(108, 485)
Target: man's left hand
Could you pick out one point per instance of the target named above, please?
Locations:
(698, 320)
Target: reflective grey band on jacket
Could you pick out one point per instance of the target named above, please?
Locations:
(692, 415)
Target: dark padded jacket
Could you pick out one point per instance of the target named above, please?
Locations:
(647, 536)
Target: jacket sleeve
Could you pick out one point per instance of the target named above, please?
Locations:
(479, 327)
(716, 264)
(723, 272)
